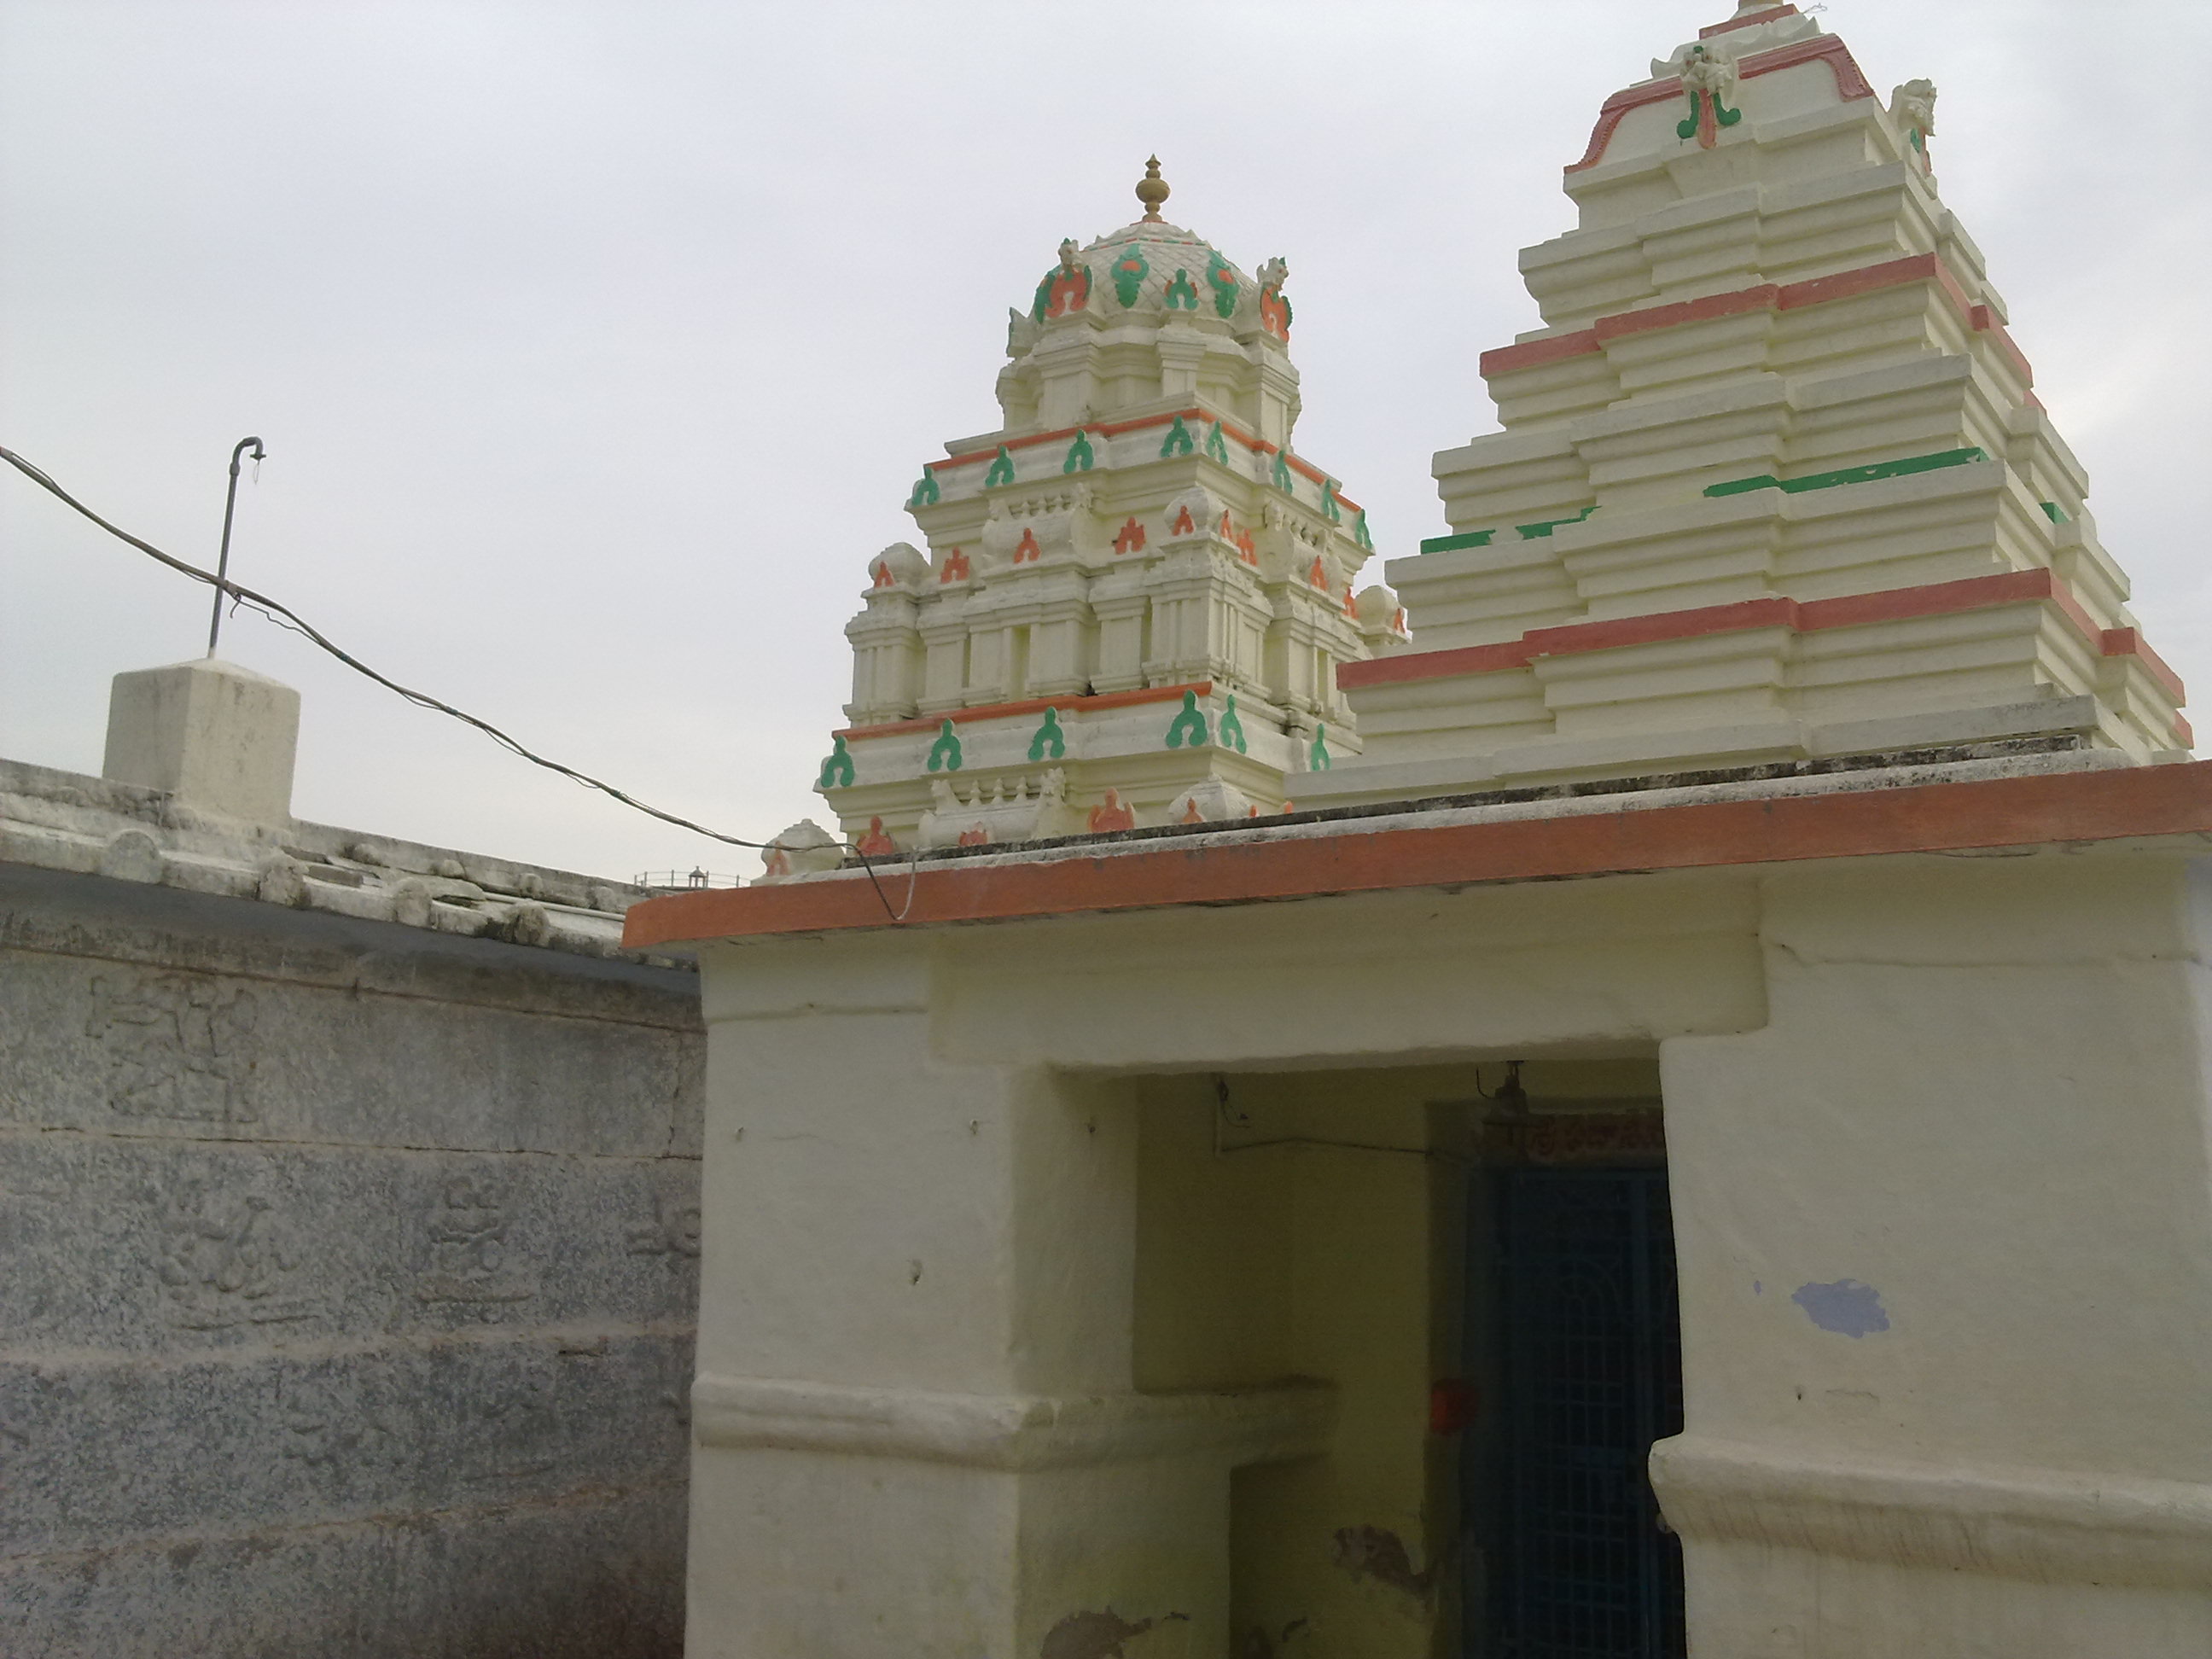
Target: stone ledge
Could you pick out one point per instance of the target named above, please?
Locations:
(1012, 1432)
(2048, 1525)
(64, 821)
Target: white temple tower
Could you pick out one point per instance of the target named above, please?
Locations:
(1773, 485)
(1135, 595)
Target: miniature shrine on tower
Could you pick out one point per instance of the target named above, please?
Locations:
(1135, 594)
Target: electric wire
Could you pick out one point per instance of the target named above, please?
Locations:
(285, 617)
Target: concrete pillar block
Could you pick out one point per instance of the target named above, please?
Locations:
(217, 737)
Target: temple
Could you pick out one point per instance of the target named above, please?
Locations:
(1660, 1109)
(1773, 483)
(1136, 593)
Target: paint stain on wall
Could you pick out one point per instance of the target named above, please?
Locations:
(1379, 1554)
(1846, 1307)
(1258, 1644)
(1099, 1635)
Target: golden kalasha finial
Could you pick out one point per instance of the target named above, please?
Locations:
(1152, 190)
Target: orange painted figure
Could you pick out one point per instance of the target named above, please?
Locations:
(1183, 525)
(975, 836)
(1110, 814)
(884, 577)
(1274, 309)
(1065, 288)
(1132, 538)
(1027, 549)
(877, 843)
(956, 568)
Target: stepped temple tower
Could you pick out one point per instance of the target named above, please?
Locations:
(1774, 483)
(1135, 595)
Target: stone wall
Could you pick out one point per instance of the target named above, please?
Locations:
(350, 1279)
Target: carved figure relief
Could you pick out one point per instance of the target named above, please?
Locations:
(228, 1261)
(515, 1435)
(673, 1231)
(1066, 287)
(1710, 78)
(343, 1428)
(1913, 105)
(1274, 309)
(469, 1257)
(179, 1046)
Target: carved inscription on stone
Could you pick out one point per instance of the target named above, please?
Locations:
(470, 1258)
(228, 1261)
(179, 1046)
(673, 1231)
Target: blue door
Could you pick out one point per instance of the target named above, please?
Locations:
(1590, 1372)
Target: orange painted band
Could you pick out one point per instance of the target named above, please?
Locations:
(2128, 642)
(993, 711)
(1805, 617)
(1765, 296)
(1850, 83)
(1934, 817)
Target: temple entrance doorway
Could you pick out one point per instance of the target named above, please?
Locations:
(1580, 1306)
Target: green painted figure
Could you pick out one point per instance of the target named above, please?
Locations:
(1217, 444)
(1079, 454)
(1178, 440)
(837, 769)
(1221, 277)
(1317, 758)
(1050, 742)
(925, 492)
(1232, 729)
(1187, 729)
(945, 753)
(1002, 469)
(1182, 293)
(1129, 273)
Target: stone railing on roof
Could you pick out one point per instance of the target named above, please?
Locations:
(60, 820)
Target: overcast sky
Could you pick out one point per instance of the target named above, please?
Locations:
(596, 346)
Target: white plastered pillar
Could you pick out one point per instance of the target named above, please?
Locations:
(916, 1431)
(1945, 1236)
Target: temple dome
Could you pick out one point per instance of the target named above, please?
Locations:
(1153, 266)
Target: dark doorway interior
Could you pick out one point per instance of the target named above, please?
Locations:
(1588, 1346)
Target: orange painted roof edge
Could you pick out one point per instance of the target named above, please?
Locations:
(2079, 806)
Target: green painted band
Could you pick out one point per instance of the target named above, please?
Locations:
(1453, 544)
(1530, 532)
(2053, 512)
(1851, 475)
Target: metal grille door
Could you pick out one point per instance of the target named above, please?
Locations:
(1592, 1376)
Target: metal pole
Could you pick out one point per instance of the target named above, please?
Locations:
(222, 563)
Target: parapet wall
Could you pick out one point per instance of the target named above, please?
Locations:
(351, 1276)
